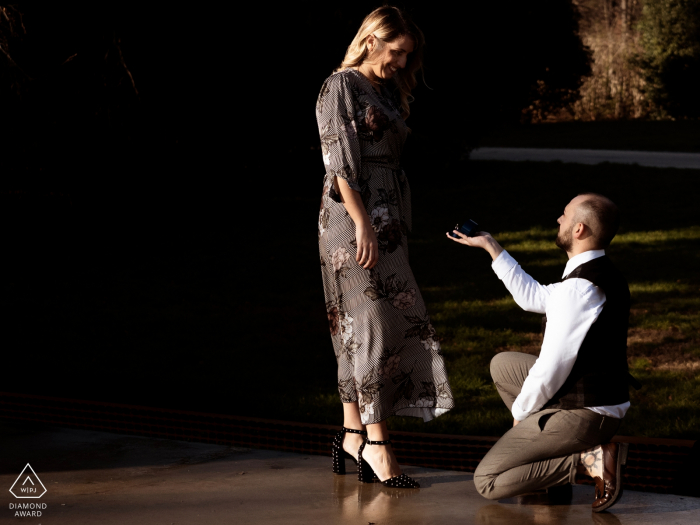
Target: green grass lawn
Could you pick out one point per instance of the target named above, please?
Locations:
(519, 203)
(239, 326)
(658, 249)
(664, 348)
(660, 135)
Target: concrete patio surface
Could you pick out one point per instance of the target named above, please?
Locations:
(98, 477)
(655, 159)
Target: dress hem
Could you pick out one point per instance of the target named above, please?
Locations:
(427, 414)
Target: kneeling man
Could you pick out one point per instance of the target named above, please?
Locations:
(567, 403)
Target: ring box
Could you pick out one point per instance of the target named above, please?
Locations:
(469, 229)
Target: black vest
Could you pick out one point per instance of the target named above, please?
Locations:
(600, 374)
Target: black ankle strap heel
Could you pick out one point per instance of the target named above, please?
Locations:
(339, 455)
(353, 431)
(367, 475)
(385, 442)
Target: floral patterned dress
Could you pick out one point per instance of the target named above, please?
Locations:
(388, 354)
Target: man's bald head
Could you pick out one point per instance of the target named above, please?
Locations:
(601, 216)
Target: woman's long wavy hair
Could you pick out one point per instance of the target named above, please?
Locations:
(387, 24)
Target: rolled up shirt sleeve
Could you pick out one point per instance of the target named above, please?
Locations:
(571, 309)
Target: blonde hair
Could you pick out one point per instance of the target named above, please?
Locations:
(387, 24)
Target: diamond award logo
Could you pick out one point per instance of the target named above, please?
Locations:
(28, 484)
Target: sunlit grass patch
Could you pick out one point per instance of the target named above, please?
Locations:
(537, 233)
(639, 364)
(476, 318)
(453, 309)
(637, 336)
(691, 233)
(554, 261)
(682, 366)
(658, 287)
(667, 405)
(482, 326)
(663, 325)
(678, 311)
(531, 240)
(542, 239)
(482, 340)
(688, 323)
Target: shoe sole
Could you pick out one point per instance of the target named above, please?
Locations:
(621, 461)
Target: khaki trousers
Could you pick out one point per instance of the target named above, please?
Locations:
(543, 450)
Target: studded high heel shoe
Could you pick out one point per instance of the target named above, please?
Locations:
(339, 454)
(367, 475)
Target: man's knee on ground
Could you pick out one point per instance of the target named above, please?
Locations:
(483, 481)
(484, 486)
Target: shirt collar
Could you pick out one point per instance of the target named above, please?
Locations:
(580, 259)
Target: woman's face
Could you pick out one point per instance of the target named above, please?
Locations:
(391, 58)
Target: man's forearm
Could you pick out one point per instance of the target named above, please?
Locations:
(526, 291)
(493, 248)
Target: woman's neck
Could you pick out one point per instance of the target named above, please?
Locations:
(373, 79)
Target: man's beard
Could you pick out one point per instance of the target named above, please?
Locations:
(565, 240)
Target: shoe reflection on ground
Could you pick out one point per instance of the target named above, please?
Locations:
(533, 514)
(371, 500)
(546, 507)
(374, 503)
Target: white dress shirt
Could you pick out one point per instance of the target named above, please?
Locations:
(571, 306)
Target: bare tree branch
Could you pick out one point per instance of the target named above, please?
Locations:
(117, 42)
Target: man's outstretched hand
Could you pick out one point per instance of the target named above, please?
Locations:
(481, 240)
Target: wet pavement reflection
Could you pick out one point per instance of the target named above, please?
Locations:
(452, 496)
(375, 503)
(372, 499)
(164, 481)
(500, 514)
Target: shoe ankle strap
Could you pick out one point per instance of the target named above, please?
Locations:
(386, 442)
(353, 431)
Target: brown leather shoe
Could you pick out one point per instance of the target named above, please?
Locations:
(609, 489)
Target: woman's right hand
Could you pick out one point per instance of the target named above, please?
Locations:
(367, 247)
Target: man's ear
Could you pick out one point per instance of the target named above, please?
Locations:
(579, 231)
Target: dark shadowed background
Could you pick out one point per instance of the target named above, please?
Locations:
(161, 173)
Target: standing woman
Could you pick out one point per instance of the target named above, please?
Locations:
(389, 358)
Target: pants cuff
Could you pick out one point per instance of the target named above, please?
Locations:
(575, 460)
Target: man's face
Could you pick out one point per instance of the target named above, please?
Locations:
(565, 237)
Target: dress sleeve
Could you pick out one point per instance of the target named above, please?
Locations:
(335, 113)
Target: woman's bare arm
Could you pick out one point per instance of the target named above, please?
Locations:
(367, 245)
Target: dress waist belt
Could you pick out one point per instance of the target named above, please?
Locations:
(400, 184)
(389, 162)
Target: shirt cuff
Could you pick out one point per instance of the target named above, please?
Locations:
(503, 264)
(517, 412)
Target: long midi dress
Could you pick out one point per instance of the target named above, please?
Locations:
(388, 354)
